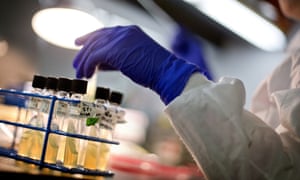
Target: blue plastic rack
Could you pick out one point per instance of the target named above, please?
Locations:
(11, 152)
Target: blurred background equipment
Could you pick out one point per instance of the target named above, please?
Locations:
(16, 67)
(163, 141)
(242, 20)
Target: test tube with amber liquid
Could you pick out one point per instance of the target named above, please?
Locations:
(74, 124)
(92, 148)
(31, 141)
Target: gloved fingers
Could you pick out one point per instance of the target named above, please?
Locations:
(86, 60)
(95, 51)
(89, 41)
(93, 59)
(93, 36)
(82, 54)
(92, 41)
(82, 39)
(90, 69)
(96, 59)
(82, 58)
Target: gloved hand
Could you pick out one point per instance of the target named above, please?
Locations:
(136, 55)
(187, 47)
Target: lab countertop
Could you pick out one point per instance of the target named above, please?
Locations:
(9, 169)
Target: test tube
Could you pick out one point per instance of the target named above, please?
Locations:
(74, 123)
(106, 125)
(63, 88)
(31, 141)
(117, 111)
(91, 148)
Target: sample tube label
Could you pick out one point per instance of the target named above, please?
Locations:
(33, 103)
(61, 107)
(86, 109)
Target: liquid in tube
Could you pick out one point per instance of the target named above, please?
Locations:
(31, 141)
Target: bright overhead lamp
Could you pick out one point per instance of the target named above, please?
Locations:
(61, 26)
(244, 22)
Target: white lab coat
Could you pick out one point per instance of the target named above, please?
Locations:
(229, 142)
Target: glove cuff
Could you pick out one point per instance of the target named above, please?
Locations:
(174, 78)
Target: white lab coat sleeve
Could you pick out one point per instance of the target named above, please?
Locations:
(226, 141)
(295, 70)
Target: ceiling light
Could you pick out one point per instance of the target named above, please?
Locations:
(244, 22)
(61, 26)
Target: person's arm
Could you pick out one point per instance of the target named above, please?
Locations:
(129, 50)
(226, 141)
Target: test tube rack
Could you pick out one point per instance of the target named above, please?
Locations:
(11, 151)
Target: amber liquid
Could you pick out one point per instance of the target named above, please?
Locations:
(31, 141)
(71, 147)
(71, 153)
(52, 148)
(104, 150)
(61, 150)
(31, 144)
(88, 150)
(91, 154)
(103, 157)
(62, 143)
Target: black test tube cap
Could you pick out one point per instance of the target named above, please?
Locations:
(51, 83)
(116, 97)
(79, 86)
(102, 93)
(64, 84)
(39, 81)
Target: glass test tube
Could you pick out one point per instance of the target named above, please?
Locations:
(86, 113)
(74, 123)
(117, 112)
(91, 148)
(106, 125)
(31, 141)
(63, 88)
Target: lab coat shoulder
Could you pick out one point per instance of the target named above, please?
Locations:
(226, 141)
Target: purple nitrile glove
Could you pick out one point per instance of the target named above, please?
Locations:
(131, 51)
(187, 47)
